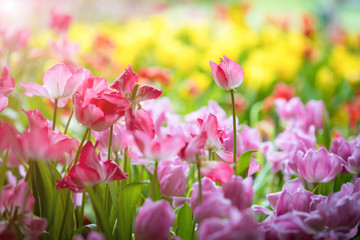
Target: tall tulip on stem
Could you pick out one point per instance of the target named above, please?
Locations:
(228, 75)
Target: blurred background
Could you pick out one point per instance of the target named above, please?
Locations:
(305, 48)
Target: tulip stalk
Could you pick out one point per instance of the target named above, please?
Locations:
(154, 183)
(55, 112)
(69, 120)
(110, 141)
(81, 145)
(198, 165)
(234, 123)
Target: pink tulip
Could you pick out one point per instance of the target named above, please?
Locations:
(342, 148)
(60, 22)
(239, 191)
(319, 165)
(59, 83)
(35, 226)
(158, 149)
(7, 83)
(228, 74)
(207, 208)
(239, 225)
(94, 107)
(154, 220)
(314, 111)
(172, 178)
(15, 39)
(90, 171)
(208, 190)
(40, 142)
(353, 162)
(292, 111)
(217, 171)
(19, 197)
(194, 149)
(64, 49)
(136, 119)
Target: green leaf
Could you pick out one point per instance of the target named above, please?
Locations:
(243, 164)
(185, 219)
(102, 219)
(127, 208)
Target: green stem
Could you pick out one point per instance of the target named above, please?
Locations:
(55, 112)
(210, 154)
(69, 120)
(234, 123)
(199, 178)
(65, 213)
(81, 145)
(154, 183)
(81, 215)
(110, 141)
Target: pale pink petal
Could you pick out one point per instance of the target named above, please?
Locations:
(55, 80)
(233, 71)
(34, 89)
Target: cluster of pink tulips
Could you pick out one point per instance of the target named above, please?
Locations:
(142, 171)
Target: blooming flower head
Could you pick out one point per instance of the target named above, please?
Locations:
(90, 171)
(59, 83)
(15, 38)
(319, 165)
(228, 74)
(95, 106)
(40, 142)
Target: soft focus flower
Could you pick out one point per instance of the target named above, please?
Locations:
(228, 74)
(291, 111)
(353, 162)
(239, 225)
(172, 178)
(64, 49)
(319, 165)
(59, 22)
(342, 148)
(34, 227)
(121, 139)
(90, 171)
(7, 85)
(20, 197)
(315, 114)
(95, 107)
(239, 191)
(158, 149)
(217, 171)
(208, 190)
(154, 220)
(59, 83)
(15, 39)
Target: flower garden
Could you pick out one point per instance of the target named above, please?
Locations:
(187, 123)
